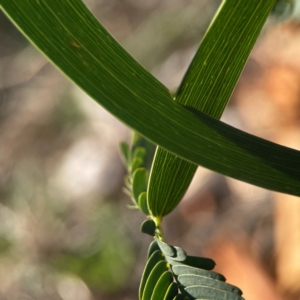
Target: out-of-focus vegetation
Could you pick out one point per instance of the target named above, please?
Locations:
(65, 230)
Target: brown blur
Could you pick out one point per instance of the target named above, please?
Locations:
(65, 230)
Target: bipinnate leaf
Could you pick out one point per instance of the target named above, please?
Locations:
(136, 179)
(193, 282)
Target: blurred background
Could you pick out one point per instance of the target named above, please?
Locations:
(65, 230)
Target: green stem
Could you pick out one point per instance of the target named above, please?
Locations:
(159, 231)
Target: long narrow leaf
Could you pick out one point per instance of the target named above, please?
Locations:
(207, 86)
(75, 41)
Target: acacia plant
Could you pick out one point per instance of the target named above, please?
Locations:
(185, 127)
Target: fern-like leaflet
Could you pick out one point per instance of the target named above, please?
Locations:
(136, 180)
(171, 274)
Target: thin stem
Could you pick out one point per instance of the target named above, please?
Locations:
(159, 231)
